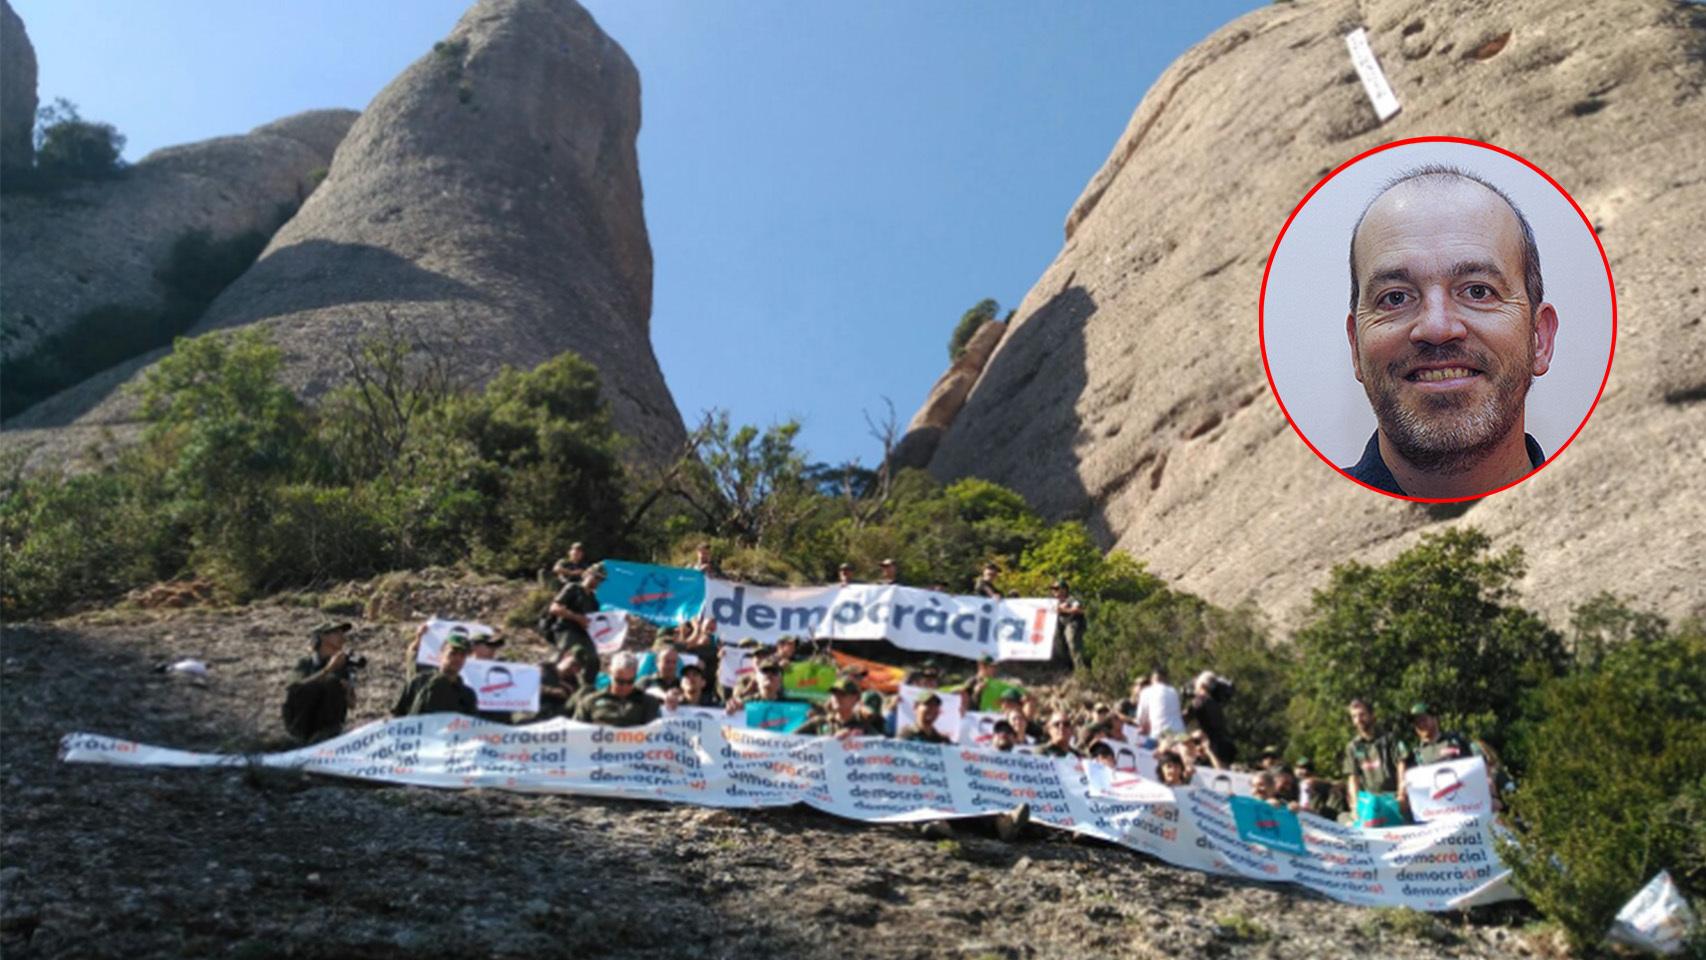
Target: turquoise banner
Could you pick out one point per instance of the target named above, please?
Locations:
(1379, 810)
(663, 595)
(1273, 827)
(777, 716)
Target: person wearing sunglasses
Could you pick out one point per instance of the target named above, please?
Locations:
(623, 703)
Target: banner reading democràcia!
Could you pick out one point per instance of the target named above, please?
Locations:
(910, 618)
(702, 758)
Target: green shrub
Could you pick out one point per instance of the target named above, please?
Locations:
(69, 147)
(1185, 635)
(970, 321)
(1613, 787)
(1439, 623)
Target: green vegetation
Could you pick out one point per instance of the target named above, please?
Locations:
(1603, 727)
(970, 321)
(1440, 624)
(1613, 754)
(68, 150)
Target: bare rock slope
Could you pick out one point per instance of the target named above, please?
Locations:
(488, 201)
(947, 398)
(1131, 390)
(104, 242)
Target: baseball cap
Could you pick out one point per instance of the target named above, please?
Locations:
(1011, 695)
(458, 641)
(1420, 709)
(330, 626)
(845, 685)
(929, 698)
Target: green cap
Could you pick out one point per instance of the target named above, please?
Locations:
(458, 641)
(1303, 762)
(845, 685)
(872, 699)
(1011, 695)
(1420, 708)
(329, 626)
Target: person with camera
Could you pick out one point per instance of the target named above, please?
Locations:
(322, 692)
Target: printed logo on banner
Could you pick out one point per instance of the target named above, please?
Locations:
(733, 664)
(661, 595)
(1450, 789)
(977, 728)
(808, 679)
(502, 686)
(432, 642)
(777, 716)
(1227, 783)
(608, 629)
(1263, 823)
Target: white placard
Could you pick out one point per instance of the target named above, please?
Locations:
(501, 686)
(1373, 78)
(439, 630)
(1454, 788)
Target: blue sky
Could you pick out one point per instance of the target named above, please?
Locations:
(828, 186)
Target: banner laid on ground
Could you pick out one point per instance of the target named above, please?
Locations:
(696, 757)
(663, 595)
(910, 618)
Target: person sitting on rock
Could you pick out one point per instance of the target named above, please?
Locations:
(322, 692)
(441, 690)
(972, 695)
(1317, 795)
(925, 712)
(1025, 730)
(622, 704)
(561, 680)
(566, 620)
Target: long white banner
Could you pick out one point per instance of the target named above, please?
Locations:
(696, 758)
(914, 619)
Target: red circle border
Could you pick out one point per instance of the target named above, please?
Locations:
(1262, 304)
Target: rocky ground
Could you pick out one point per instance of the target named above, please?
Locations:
(108, 862)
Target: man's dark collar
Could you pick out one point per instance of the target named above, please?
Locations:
(1372, 470)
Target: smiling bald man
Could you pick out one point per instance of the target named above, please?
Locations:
(1448, 329)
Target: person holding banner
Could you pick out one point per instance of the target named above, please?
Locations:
(984, 585)
(1374, 769)
(844, 575)
(693, 691)
(566, 621)
(561, 680)
(441, 690)
(622, 704)
(1435, 746)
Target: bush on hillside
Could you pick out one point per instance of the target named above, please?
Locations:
(983, 312)
(69, 147)
(1613, 787)
(1439, 623)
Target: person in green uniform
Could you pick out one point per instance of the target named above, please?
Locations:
(841, 716)
(924, 716)
(321, 692)
(561, 680)
(1374, 762)
(1069, 623)
(442, 690)
(622, 704)
(1060, 729)
(567, 616)
(1432, 744)
(975, 687)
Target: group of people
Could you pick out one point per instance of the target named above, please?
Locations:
(1181, 734)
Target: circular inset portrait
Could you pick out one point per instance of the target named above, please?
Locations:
(1437, 319)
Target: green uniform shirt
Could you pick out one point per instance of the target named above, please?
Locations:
(830, 725)
(1446, 746)
(568, 633)
(923, 735)
(609, 709)
(442, 693)
(1375, 762)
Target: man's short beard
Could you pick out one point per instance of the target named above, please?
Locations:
(1447, 438)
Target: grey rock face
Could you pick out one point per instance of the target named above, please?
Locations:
(946, 398)
(17, 90)
(103, 242)
(1131, 391)
(489, 201)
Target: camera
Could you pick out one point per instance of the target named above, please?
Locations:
(352, 663)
